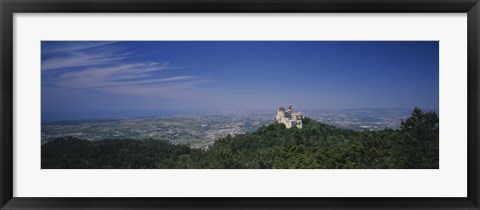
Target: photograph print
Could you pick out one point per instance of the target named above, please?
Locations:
(239, 104)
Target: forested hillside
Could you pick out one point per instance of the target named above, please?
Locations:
(315, 146)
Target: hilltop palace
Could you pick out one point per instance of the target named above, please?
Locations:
(289, 118)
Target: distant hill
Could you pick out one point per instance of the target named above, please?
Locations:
(315, 146)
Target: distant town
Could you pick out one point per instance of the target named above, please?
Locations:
(200, 131)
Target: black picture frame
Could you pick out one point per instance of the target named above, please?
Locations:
(9, 7)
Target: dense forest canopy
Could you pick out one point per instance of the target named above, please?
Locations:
(315, 146)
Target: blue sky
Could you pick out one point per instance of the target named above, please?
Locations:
(86, 80)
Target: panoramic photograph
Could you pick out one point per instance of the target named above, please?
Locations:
(239, 105)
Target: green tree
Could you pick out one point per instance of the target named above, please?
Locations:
(420, 139)
(298, 136)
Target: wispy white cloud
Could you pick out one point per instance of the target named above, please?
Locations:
(110, 71)
(60, 46)
(77, 60)
(119, 71)
(73, 54)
